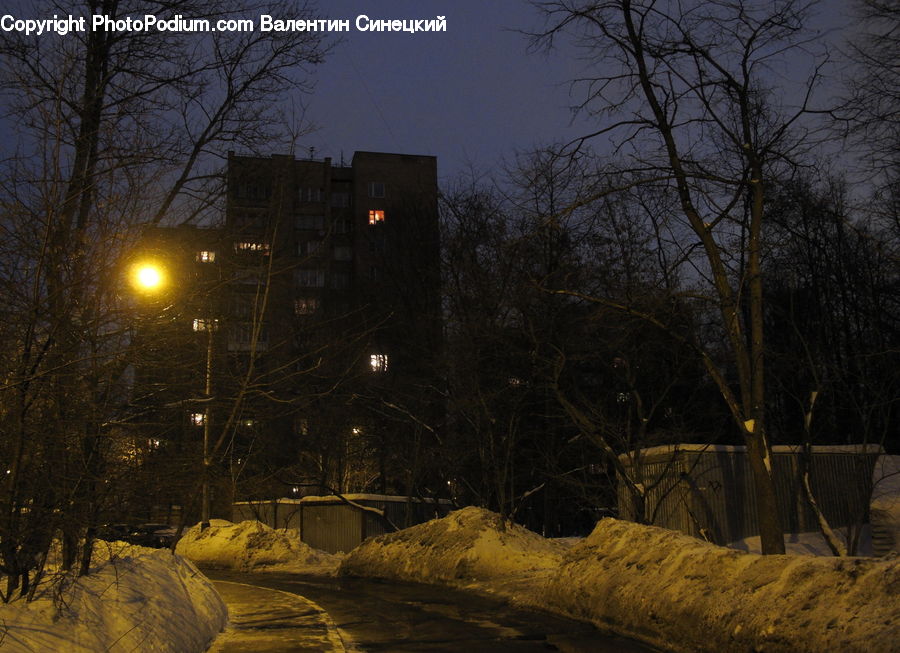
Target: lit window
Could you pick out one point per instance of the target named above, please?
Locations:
(378, 362)
(206, 256)
(309, 222)
(343, 253)
(198, 419)
(376, 217)
(376, 189)
(306, 305)
(251, 246)
(356, 430)
(205, 324)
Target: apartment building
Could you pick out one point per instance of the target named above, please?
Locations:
(313, 313)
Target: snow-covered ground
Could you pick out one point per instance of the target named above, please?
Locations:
(136, 599)
(653, 584)
(139, 599)
(253, 546)
(649, 583)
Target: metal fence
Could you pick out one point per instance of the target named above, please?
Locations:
(707, 491)
(331, 524)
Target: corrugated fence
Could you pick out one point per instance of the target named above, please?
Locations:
(708, 492)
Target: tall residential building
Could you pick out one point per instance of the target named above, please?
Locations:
(319, 302)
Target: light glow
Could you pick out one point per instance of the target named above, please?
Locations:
(148, 276)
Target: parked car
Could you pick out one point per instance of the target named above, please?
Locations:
(156, 536)
(114, 532)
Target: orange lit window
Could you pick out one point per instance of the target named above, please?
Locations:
(376, 216)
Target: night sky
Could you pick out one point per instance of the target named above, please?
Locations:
(467, 95)
(471, 96)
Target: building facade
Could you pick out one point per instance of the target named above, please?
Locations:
(317, 307)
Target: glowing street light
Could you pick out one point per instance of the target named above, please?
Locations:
(148, 276)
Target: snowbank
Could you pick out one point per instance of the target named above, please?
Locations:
(466, 544)
(653, 584)
(145, 600)
(678, 592)
(251, 545)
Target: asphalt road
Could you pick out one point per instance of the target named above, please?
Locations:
(390, 616)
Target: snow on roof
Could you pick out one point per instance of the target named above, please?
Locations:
(251, 545)
(332, 498)
(672, 449)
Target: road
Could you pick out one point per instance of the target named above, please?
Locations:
(390, 616)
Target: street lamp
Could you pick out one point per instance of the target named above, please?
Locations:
(150, 278)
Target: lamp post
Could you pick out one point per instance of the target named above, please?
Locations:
(150, 278)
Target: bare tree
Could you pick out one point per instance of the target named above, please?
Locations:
(114, 129)
(868, 114)
(685, 90)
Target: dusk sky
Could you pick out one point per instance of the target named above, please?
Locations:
(471, 95)
(468, 95)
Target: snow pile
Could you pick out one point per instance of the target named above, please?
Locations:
(145, 600)
(467, 544)
(653, 584)
(251, 545)
(678, 592)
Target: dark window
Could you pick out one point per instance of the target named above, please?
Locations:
(310, 222)
(343, 226)
(340, 280)
(340, 200)
(310, 194)
(343, 253)
(309, 248)
(309, 277)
